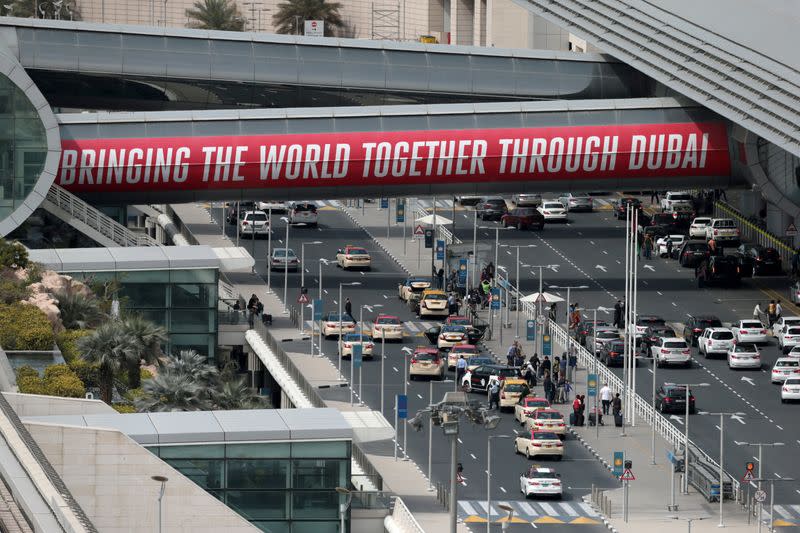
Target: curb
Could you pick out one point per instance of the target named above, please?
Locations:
(346, 211)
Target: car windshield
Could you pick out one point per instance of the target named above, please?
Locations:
(679, 392)
(793, 331)
(531, 402)
(744, 347)
(454, 329)
(516, 387)
(334, 317)
(615, 346)
(506, 372)
(725, 223)
(356, 251)
(696, 247)
(355, 337)
(544, 435)
(751, 324)
(788, 362)
(663, 332)
(701, 221)
(607, 334)
(652, 321)
(674, 344)
(709, 323)
(435, 297)
(680, 196)
(722, 335)
(458, 321)
(791, 321)
(388, 320)
(480, 361)
(425, 356)
(552, 205)
(792, 381)
(496, 201)
(299, 208)
(542, 475)
(549, 415)
(464, 350)
(260, 217)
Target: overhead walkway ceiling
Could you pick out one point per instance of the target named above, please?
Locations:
(393, 150)
(137, 68)
(746, 85)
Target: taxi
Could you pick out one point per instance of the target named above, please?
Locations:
(539, 481)
(412, 286)
(433, 303)
(330, 325)
(536, 443)
(387, 327)
(426, 362)
(353, 257)
(511, 390)
(458, 321)
(527, 406)
(547, 420)
(785, 368)
(466, 350)
(450, 336)
(350, 340)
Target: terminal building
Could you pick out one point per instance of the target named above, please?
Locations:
(108, 124)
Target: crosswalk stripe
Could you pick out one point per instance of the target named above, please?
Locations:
(781, 511)
(796, 508)
(548, 509)
(470, 510)
(428, 325)
(412, 327)
(587, 509)
(527, 509)
(570, 511)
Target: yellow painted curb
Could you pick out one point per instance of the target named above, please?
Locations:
(474, 519)
(547, 520)
(584, 520)
(327, 208)
(515, 520)
(782, 523)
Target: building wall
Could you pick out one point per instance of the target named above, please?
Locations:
(36, 405)
(109, 475)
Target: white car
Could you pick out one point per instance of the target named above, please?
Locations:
(574, 202)
(673, 198)
(527, 200)
(354, 339)
(284, 259)
(535, 443)
(450, 336)
(540, 482)
(723, 230)
(789, 338)
(553, 211)
(785, 368)
(272, 206)
(527, 406)
(677, 242)
(715, 341)
(750, 331)
(331, 323)
(353, 257)
(790, 390)
(603, 336)
(697, 229)
(795, 352)
(387, 327)
(303, 213)
(671, 351)
(412, 286)
(254, 223)
(794, 292)
(783, 322)
(744, 355)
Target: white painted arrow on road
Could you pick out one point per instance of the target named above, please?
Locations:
(749, 380)
(677, 419)
(601, 267)
(650, 267)
(738, 418)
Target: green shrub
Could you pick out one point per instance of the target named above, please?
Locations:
(24, 327)
(27, 371)
(66, 385)
(54, 371)
(31, 385)
(67, 342)
(124, 408)
(88, 373)
(13, 255)
(132, 394)
(59, 380)
(145, 374)
(12, 291)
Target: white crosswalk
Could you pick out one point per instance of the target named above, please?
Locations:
(412, 328)
(528, 510)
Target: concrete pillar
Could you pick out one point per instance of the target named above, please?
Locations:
(464, 17)
(447, 22)
(478, 38)
(489, 10)
(750, 203)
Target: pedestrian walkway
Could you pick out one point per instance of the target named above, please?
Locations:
(553, 512)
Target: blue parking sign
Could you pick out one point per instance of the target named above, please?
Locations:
(402, 406)
(316, 305)
(357, 356)
(439, 249)
(384, 203)
(530, 326)
(400, 211)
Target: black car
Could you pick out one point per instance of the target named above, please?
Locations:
(756, 260)
(692, 253)
(696, 325)
(648, 321)
(491, 208)
(479, 377)
(718, 270)
(655, 231)
(651, 336)
(671, 398)
(668, 220)
(612, 353)
(234, 214)
(585, 329)
(621, 206)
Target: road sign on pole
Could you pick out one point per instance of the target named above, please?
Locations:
(402, 406)
(530, 330)
(760, 496)
(627, 475)
(748, 474)
(384, 203)
(592, 384)
(302, 299)
(317, 306)
(618, 463)
(791, 230)
(419, 230)
(439, 249)
(494, 294)
(400, 211)
(357, 355)
(547, 345)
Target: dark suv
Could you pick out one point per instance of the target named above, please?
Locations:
(696, 325)
(756, 260)
(491, 208)
(671, 398)
(718, 270)
(692, 253)
(651, 336)
(612, 353)
(479, 377)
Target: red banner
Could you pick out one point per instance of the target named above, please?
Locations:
(395, 158)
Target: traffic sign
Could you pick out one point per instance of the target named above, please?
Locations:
(384, 203)
(592, 383)
(627, 475)
(439, 249)
(618, 462)
(419, 230)
(547, 345)
(402, 406)
(302, 299)
(400, 211)
(760, 496)
(531, 330)
(494, 295)
(748, 474)
(541, 319)
(791, 230)
(314, 28)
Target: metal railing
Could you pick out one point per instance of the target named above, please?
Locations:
(751, 232)
(442, 232)
(366, 465)
(96, 219)
(404, 518)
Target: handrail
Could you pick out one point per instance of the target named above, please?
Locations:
(405, 518)
(96, 219)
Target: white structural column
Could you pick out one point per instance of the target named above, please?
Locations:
(489, 9)
(477, 18)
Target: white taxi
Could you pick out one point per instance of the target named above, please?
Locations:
(553, 211)
(540, 482)
(353, 257)
(449, 336)
(412, 286)
(790, 390)
(750, 331)
(458, 351)
(715, 341)
(788, 338)
(744, 355)
(783, 322)
(331, 325)
(387, 327)
(547, 420)
(350, 340)
(785, 368)
(527, 406)
(536, 443)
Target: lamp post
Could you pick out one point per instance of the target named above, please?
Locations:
(269, 248)
(343, 507)
(509, 518)
(722, 416)
(406, 353)
(163, 480)
(286, 267)
(760, 446)
(539, 334)
(322, 262)
(343, 284)
(686, 432)
(430, 434)
(568, 289)
(361, 308)
(516, 280)
(489, 479)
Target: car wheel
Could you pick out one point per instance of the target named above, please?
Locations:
(783, 400)
(527, 454)
(466, 387)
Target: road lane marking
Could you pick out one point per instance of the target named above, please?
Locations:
(473, 456)
(504, 490)
(469, 509)
(548, 509)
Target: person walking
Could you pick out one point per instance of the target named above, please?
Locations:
(654, 195)
(546, 365)
(552, 312)
(348, 308)
(616, 409)
(605, 398)
(461, 368)
(669, 247)
(451, 304)
(771, 312)
(440, 279)
(549, 389)
(617, 323)
(563, 365)
(534, 362)
(778, 311)
(530, 374)
(572, 363)
(757, 312)
(494, 394)
(576, 409)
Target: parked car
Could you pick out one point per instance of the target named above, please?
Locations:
(412, 285)
(718, 270)
(651, 336)
(547, 420)
(603, 336)
(481, 376)
(585, 328)
(750, 331)
(577, 202)
(621, 206)
(696, 325)
(467, 351)
(668, 220)
(448, 336)
(527, 406)
(236, 211)
(788, 338)
(715, 341)
(536, 443)
(468, 199)
(723, 231)
(523, 218)
(274, 206)
(756, 260)
(677, 242)
(284, 259)
(671, 398)
(511, 390)
(790, 390)
(648, 321)
(692, 253)
(683, 215)
(491, 208)
(785, 368)
(794, 292)
(673, 198)
(303, 213)
(655, 232)
(426, 362)
(784, 322)
(333, 326)
(433, 303)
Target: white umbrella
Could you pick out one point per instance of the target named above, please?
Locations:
(544, 297)
(439, 220)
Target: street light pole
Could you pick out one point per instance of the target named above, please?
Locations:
(686, 434)
(760, 446)
(722, 416)
(269, 249)
(286, 268)
(163, 480)
(430, 435)
(489, 477)
(342, 284)
(303, 282)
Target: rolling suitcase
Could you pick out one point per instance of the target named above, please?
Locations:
(618, 420)
(592, 419)
(572, 419)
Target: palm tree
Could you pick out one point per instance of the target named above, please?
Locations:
(235, 394)
(171, 391)
(192, 364)
(148, 339)
(293, 13)
(44, 10)
(109, 348)
(215, 15)
(78, 310)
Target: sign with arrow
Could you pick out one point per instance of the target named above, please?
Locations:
(601, 267)
(419, 230)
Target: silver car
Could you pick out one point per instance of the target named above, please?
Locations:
(577, 202)
(284, 259)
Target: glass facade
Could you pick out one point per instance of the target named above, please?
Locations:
(184, 302)
(23, 146)
(281, 487)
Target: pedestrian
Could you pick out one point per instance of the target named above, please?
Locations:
(712, 246)
(530, 375)
(561, 389)
(622, 315)
(563, 364)
(549, 390)
(490, 270)
(616, 405)
(771, 312)
(778, 311)
(556, 368)
(440, 279)
(460, 474)
(494, 394)
(654, 195)
(511, 356)
(461, 368)
(534, 361)
(617, 314)
(647, 247)
(552, 312)
(451, 304)
(757, 312)
(669, 247)
(605, 397)
(576, 410)
(545, 366)
(348, 308)
(582, 409)
(572, 363)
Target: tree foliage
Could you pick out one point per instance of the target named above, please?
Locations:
(215, 15)
(24, 327)
(13, 291)
(66, 10)
(109, 347)
(147, 340)
(79, 310)
(13, 255)
(292, 15)
(58, 380)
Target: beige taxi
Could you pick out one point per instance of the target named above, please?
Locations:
(547, 420)
(539, 443)
(426, 362)
(433, 303)
(527, 406)
(387, 327)
(511, 390)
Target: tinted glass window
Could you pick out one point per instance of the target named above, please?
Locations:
(544, 415)
(722, 335)
(674, 344)
(424, 356)
(787, 363)
(542, 435)
(709, 323)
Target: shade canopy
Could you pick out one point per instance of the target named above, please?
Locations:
(438, 220)
(544, 297)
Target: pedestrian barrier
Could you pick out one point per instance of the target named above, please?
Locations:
(750, 232)
(705, 478)
(403, 519)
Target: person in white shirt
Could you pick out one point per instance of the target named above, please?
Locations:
(605, 397)
(778, 310)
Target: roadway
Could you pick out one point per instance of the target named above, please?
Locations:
(379, 287)
(590, 251)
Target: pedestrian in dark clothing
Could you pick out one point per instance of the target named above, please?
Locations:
(348, 309)
(494, 395)
(563, 365)
(617, 314)
(572, 364)
(654, 195)
(546, 365)
(616, 405)
(534, 360)
(549, 389)
(552, 312)
(490, 270)
(796, 262)
(440, 279)
(530, 375)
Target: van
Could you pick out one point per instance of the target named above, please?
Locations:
(303, 213)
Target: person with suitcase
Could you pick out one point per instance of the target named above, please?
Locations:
(616, 409)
